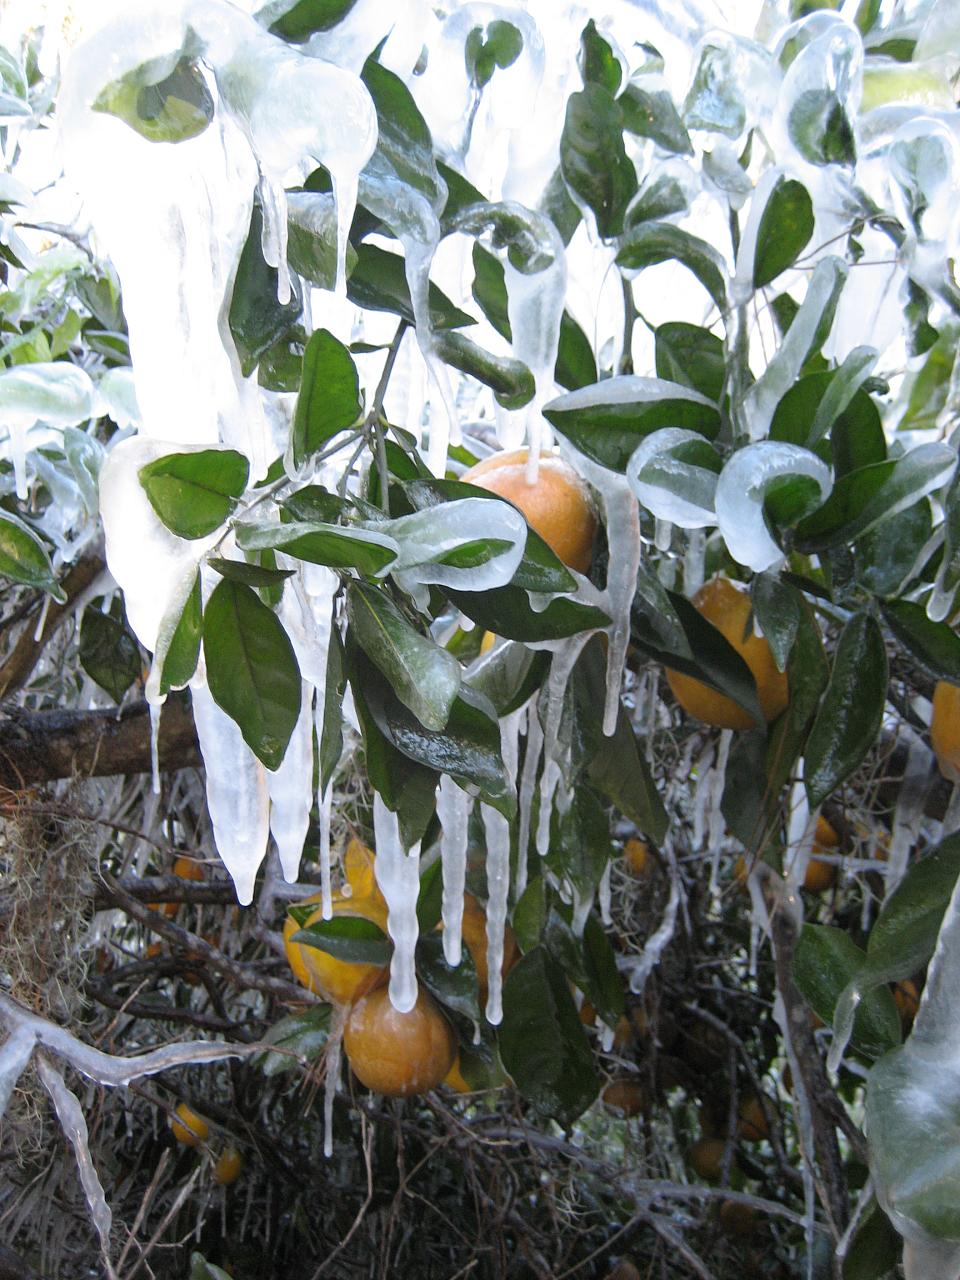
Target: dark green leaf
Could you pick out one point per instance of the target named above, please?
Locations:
(379, 283)
(281, 366)
(506, 611)
(716, 661)
(777, 606)
(576, 366)
(905, 934)
(598, 63)
(886, 555)
(430, 897)
(23, 557)
(258, 319)
(530, 914)
(302, 1036)
(423, 676)
(254, 575)
(339, 546)
(807, 674)
(826, 960)
(183, 652)
(786, 226)
(510, 380)
(331, 733)
(252, 670)
(820, 128)
(542, 1041)
(312, 238)
(353, 939)
(404, 144)
(454, 987)
(108, 652)
(309, 16)
(314, 503)
(507, 674)
(934, 645)
(850, 715)
(692, 357)
(498, 45)
(655, 242)
(593, 160)
(329, 399)
(195, 493)
(875, 1249)
(604, 987)
(650, 113)
(460, 193)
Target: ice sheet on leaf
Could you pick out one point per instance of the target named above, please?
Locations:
(670, 485)
(237, 797)
(734, 86)
(430, 541)
(58, 394)
(741, 489)
(117, 397)
(820, 93)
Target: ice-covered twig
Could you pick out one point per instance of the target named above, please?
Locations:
(14, 1056)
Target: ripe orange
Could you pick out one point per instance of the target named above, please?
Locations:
(945, 729)
(189, 1128)
(558, 506)
(907, 999)
(752, 1125)
(455, 1078)
(626, 1097)
(340, 981)
(188, 869)
(706, 1158)
(638, 856)
(728, 609)
(228, 1166)
(737, 1218)
(820, 875)
(398, 1053)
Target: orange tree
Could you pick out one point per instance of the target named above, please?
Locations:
(498, 477)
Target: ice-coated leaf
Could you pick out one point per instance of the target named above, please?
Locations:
(934, 645)
(507, 674)
(716, 97)
(352, 939)
(905, 934)
(608, 420)
(807, 674)
(23, 557)
(690, 356)
(850, 715)
(312, 238)
(329, 399)
(776, 605)
(433, 540)
(195, 493)
(252, 670)
(183, 652)
(499, 44)
(306, 17)
(542, 1041)
(820, 128)
(786, 226)
(379, 283)
(674, 474)
(510, 380)
(655, 242)
(826, 960)
(173, 109)
(423, 676)
(506, 611)
(404, 139)
(301, 1036)
(598, 63)
(338, 546)
(874, 1250)
(651, 113)
(885, 556)
(108, 651)
(254, 575)
(744, 489)
(604, 986)
(454, 986)
(593, 160)
(257, 318)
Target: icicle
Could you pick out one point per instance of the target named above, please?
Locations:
(156, 709)
(453, 811)
(398, 875)
(75, 1130)
(345, 197)
(908, 815)
(603, 894)
(804, 1133)
(801, 828)
(497, 831)
(58, 393)
(640, 967)
(42, 619)
(331, 1080)
(693, 561)
(562, 664)
(237, 795)
(325, 809)
(528, 782)
(702, 797)
(291, 790)
(15, 1054)
(273, 237)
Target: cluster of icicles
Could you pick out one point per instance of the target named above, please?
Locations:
(173, 218)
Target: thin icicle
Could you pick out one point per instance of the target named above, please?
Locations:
(716, 823)
(528, 782)
(156, 709)
(42, 619)
(331, 1081)
(325, 811)
(804, 1133)
(291, 790)
(497, 831)
(640, 967)
(453, 811)
(398, 875)
(603, 894)
(562, 664)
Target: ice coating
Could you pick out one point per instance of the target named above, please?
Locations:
(58, 394)
(743, 483)
(15, 1053)
(564, 659)
(497, 832)
(639, 967)
(426, 537)
(74, 1126)
(453, 811)
(331, 1083)
(237, 795)
(672, 489)
(291, 790)
(528, 784)
(398, 875)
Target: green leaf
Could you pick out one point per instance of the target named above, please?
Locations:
(302, 1036)
(580, 845)
(423, 676)
(885, 556)
(510, 380)
(485, 49)
(379, 283)
(715, 100)
(820, 128)
(716, 660)
(329, 399)
(777, 606)
(604, 987)
(331, 732)
(339, 546)
(194, 493)
(850, 715)
(542, 1041)
(404, 143)
(651, 113)
(905, 934)
(430, 897)
(826, 960)
(108, 652)
(655, 242)
(530, 914)
(807, 673)
(786, 226)
(598, 63)
(576, 366)
(875, 1249)
(934, 645)
(309, 16)
(352, 939)
(257, 318)
(608, 420)
(252, 670)
(281, 367)
(201, 1269)
(172, 109)
(593, 160)
(183, 652)
(23, 557)
(690, 356)
(507, 674)
(456, 988)
(506, 611)
(253, 575)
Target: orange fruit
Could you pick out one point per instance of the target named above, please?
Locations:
(945, 729)
(752, 1125)
(907, 999)
(228, 1166)
(706, 1158)
(557, 506)
(340, 981)
(626, 1097)
(188, 869)
(395, 1053)
(455, 1079)
(638, 856)
(820, 875)
(728, 609)
(737, 1218)
(358, 867)
(189, 1128)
